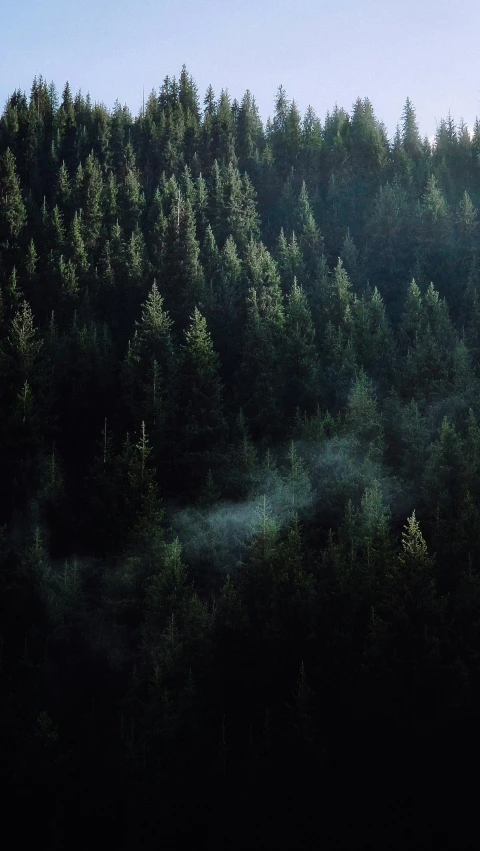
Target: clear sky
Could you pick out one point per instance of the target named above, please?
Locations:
(322, 51)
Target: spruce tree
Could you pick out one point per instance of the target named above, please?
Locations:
(363, 419)
(301, 361)
(13, 213)
(261, 371)
(310, 239)
(182, 273)
(201, 388)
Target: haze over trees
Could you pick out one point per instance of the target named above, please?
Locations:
(240, 468)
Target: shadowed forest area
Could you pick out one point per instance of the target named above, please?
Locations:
(240, 474)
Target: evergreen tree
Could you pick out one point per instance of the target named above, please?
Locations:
(338, 296)
(310, 239)
(150, 367)
(63, 190)
(410, 136)
(181, 269)
(248, 130)
(363, 419)
(300, 359)
(289, 260)
(130, 198)
(443, 479)
(13, 213)
(261, 369)
(24, 342)
(77, 245)
(89, 199)
(226, 305)
(406, 625)
(68, 131)
(241, 220)
(372, 337)
(201, 388)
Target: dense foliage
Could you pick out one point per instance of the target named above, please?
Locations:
(240, 456)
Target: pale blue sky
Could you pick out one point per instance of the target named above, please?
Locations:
(323, 52)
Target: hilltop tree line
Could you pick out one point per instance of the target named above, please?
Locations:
(240, 457)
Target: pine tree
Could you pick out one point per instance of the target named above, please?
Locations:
(223, 140)
(301, 361)
(261, 369)
(363, 419)
(309, 237)
(215, 211)
(296, 493)
(24, 342)
(210, 259)
(257, 577)
(413, 440)
(130, 198)
(12, 210)
(89, 200)
(416, 583)
(410, 135)
(68, 131)
(63, 190)
(242, 461)
(239, 207)
(412, 321)
(277, 133)
(466, 226)
(311, 145)
(341, 367)
(30, 273)
(466, 215)
(349, 256)
(289, 261)
(77, 246)
(406, 626)
(372, 337)
(443, 480)
(110, 201)
(181, 269)
(377, 545)
(434, 204)
(367, 140)
(150, 368)
(429, 360)
(201, 388)
(57, 232)
(226, 306)
(167, 589)
(260, 267)
(391, 231)
(248, 130)
(338, 296)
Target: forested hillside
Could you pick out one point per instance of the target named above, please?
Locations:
(240, 471)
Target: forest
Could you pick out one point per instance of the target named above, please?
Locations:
(240, 474)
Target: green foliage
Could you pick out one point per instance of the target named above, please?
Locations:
(443, 479)
(310, 239)
(201, 388)
(362, 418)
(261, 368)
(24, 341)
(221, 397)
(12, 210)
(372, 336)
(301, 361)
(410, 136)
(181, 268)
